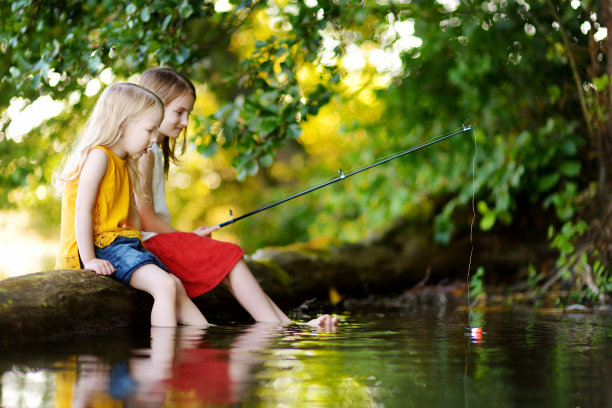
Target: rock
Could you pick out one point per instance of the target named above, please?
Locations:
(51, 304)
(54, 303)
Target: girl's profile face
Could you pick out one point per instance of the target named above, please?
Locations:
(139, 135)
(176, 117)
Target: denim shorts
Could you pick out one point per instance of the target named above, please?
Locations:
(127, 255)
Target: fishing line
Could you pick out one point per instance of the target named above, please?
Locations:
(472, 229)
(341, 176)
(472, 336)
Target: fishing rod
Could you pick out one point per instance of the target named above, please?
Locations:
(341, 176)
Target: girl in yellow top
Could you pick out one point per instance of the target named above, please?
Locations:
(100, 224)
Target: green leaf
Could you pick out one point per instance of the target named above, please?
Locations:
(131, 8)
(183, 54)
(222, 111)
(252, 168)
(269, 124)
(145, 14)
(571, 168)
(272, 108)
(242, 173)
(167, 21)
(488, 216)
(254, 124)
(294, 131)
(487, 221)
(548, 181)
(93, 64)
(267, 160)
(185, 10)
(482, 207)
(36, 80)
(208, 150)
(569, 148)
(601, 82)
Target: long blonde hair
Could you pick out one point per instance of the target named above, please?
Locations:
(119, 105)
(168, 85)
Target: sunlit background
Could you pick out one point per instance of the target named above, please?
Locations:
(346, 133)
(26, 248)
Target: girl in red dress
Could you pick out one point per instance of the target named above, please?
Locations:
(194, 257)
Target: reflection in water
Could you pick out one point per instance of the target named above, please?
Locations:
(311, 369)
(374, 359)
(180, 367)
(29, 389)
(218, 375)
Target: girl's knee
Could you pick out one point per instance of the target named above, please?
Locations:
(180, 288)
(167, 285)
(155, 281)
(176, 279)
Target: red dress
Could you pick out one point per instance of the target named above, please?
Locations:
(200, 263)
(201, 376)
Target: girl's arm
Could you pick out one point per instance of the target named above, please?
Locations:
(148, 219)
(89, 182)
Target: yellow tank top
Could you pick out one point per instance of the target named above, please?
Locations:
(110, 212)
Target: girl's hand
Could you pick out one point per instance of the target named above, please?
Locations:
(205, 231)
(99, 266)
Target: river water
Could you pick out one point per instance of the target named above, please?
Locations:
(373, 359)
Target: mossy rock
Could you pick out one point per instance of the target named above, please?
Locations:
(54, 303)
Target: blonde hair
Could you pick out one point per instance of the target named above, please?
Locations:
(168, 85)
(119, 105)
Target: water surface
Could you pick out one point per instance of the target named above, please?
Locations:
(374, 359)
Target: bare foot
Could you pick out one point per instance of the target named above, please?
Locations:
(324, 322)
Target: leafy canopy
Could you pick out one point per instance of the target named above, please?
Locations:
(300, 88)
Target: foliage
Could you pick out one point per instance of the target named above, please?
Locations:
(582, 269)
(291, 91)
(477, 286)
(533, 278)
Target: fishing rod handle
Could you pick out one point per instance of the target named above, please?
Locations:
(223, 224)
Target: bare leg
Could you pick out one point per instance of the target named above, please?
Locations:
(242, 284)
(277, 310)
(159, 284)
(186, 311)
